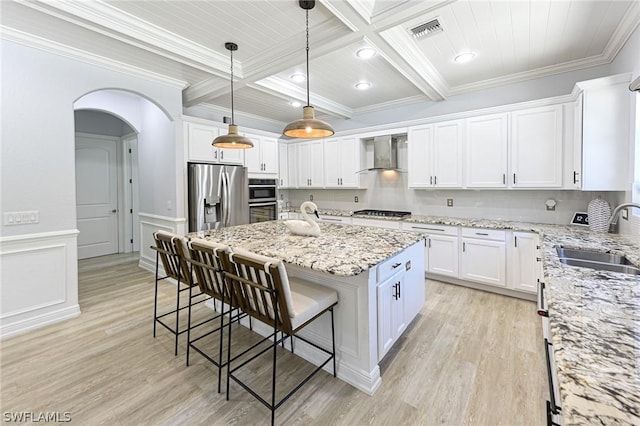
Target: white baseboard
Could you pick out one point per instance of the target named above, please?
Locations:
(38, 321)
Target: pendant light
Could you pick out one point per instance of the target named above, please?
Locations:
(308, 126)
(233, 139)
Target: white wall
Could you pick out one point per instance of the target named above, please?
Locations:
(38, 173)
(628, 60)
(100, 123)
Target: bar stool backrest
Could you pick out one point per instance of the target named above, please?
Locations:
(260, 286)
(205, 259)
(172, 249)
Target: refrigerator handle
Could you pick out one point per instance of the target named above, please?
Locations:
(227, 199)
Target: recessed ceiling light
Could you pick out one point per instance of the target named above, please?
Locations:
(464, 57)
(298, 78)
(365, 53)
(363, 85)
(295, 104)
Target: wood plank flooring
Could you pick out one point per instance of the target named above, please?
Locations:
(469, 358)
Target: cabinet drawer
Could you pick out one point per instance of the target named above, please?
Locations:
(485, 234)
(334, 219)
(430, 229)
(394, 265)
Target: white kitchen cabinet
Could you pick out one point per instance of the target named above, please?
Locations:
(441, 254)
(486, 148)
(536, 147)
(604, 122)
(287, 165)
(526, 263)
(199, 138)
(483, 256)
(435, 155)
(310, 165)
(391, 312)
(262, 159)
(342, 162)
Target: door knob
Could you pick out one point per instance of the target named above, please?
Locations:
(114, 211)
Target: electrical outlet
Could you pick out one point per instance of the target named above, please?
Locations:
(21, 218)
(355, 199)
(449, 202)
(310, 197)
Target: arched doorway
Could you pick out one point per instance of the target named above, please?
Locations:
(107, 125)
(106, 184)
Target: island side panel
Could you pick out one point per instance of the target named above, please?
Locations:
(355, 328)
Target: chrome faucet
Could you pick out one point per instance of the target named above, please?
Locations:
(613, 220)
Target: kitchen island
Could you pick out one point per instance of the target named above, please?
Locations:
(378, 274)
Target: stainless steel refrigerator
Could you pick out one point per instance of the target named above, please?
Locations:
(218, 196)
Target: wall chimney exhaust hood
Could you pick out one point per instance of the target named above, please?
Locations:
(385, 153)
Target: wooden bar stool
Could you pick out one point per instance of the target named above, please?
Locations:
(170, 250)
(262, 289)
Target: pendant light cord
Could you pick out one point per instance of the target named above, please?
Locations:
(233, 121)
(308, 103)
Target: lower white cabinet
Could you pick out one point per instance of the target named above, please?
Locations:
(526, 262)
(391, 312)
(441, 255)
(483, 256)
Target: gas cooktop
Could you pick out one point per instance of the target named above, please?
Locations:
(382, 213)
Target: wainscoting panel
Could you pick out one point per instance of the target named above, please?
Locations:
(150, 223)
(39, 280)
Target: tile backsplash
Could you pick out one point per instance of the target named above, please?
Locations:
(388, 191)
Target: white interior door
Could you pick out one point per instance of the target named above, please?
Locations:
(96, 196)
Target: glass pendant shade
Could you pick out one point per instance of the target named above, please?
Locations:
(308, 126)
(232, 140)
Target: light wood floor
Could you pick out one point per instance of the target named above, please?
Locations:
(470, 358)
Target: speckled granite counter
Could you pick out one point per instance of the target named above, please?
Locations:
(343, 250)
(594, 317)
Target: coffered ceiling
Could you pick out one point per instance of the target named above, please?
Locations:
(183, 42)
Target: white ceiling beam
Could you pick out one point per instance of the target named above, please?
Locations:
(281, 57)
(429, 84)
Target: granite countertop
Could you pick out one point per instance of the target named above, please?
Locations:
(343, 250)
(594, 318)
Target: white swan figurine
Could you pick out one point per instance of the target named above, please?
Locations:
(307, 226)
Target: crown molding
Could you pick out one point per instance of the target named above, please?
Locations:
(107, 20)
(627, 26)
(283, 89)
(391, 104)
(53, 47)
(364, 8)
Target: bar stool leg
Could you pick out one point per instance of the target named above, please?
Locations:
(175, 352)
(333, 341)
(188, 326)
(155, 298)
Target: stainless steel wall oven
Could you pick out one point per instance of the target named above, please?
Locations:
(263, 205)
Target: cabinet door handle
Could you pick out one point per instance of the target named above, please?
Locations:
(541, 310)
(504, 178)
(514, 178)
(338, 181)
(280, 182)
(430, 180)
(575, 177)
(399, 295)
(395, 292)
(429, 242)
(547, 351)
(482, 233)
(395, 265)
(435, 180)
(215, 155)
(428, 229)
(464, 247)
(222, 155)
(515, 241)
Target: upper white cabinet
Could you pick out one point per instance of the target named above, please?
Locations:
(536, 147)
(287, 165)
(199, 138)
(310, 170)
(435, 155)
(487, 140)
(603, 134)
(262, 159)
(342, 161)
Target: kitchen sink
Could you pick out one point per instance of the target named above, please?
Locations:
(596, 260)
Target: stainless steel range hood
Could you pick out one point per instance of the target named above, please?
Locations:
(385, 153)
